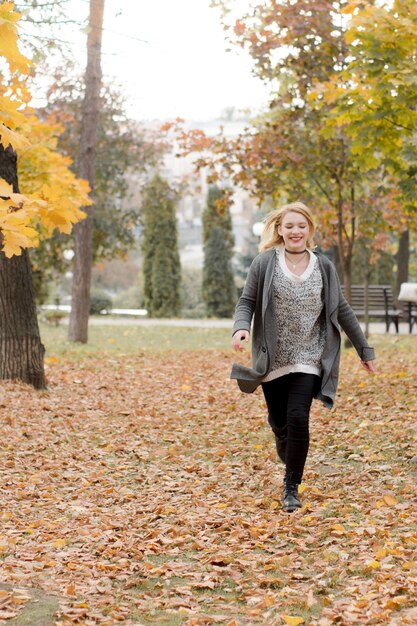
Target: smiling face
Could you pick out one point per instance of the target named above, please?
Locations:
(295, 231)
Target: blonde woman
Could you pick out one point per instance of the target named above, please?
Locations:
(297, 306)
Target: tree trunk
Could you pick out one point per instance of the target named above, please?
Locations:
(21, 350)
(366, 286)
(403, 258)
(83, 231)
(345, 242)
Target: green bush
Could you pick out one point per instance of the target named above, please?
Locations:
(53, 317)
(100, 302)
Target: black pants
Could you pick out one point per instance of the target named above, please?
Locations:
(289, 399)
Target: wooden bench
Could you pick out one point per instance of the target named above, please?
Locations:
(407, 299)
(410, 313)
(380, 304)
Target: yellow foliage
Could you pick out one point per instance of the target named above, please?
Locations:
(8, 39)
(51, 196)
(10, 137)
(14, 225)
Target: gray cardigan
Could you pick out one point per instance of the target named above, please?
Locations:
(257, 302)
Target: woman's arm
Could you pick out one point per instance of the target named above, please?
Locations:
(350, 325)
(238, 337)
(247, 301)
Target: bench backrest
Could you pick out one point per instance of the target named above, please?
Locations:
(380, 297)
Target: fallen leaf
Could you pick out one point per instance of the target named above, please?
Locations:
(292, 621)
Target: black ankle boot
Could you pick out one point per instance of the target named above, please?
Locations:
(281, 445)
(290, 499)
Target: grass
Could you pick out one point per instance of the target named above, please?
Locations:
(108, 340)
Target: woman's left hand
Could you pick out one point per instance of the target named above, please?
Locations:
(369, 366)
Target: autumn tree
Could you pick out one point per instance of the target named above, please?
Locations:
(86, 167)
(50, 201)
(374, 99)
(294, 150)
(313, 51)
(161, 261)
(124, 154)
(218, 241)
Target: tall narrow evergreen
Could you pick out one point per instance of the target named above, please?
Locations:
(217, 213)
(161, 261)
(219, 291)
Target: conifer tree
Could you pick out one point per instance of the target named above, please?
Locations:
(217, 213)
(219, 291)
(161, 262)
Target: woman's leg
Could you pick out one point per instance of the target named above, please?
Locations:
(301, 391)
(276, 398)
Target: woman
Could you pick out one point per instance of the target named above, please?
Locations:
(295, 299)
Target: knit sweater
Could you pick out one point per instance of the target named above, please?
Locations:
(256, 303)
(298, 306)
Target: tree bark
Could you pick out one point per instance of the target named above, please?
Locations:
(21, 350)
(366, 303)
(403, 259)
(83, 231)
(345, 242)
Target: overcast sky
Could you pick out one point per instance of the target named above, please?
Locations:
(170, 56)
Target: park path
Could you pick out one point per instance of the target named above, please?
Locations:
(145, 490)
(375, 328)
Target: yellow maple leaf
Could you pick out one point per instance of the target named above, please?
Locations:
(292, 621)
(8, 39)
(51, 359)
(6, 189)
(7, 14)
(10, 137)
(10, 109)
(350, 7)
(14, 242)
(338, 528)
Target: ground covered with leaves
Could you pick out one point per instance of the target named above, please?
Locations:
(143, 489)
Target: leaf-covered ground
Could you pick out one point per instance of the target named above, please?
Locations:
(144, 489)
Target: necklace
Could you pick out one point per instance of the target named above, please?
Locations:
(295, 252)
(294, 265)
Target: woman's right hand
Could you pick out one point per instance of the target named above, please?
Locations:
(238, 337)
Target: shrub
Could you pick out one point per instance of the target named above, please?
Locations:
(100, 303)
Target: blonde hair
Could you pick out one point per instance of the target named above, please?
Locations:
(270, 236)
